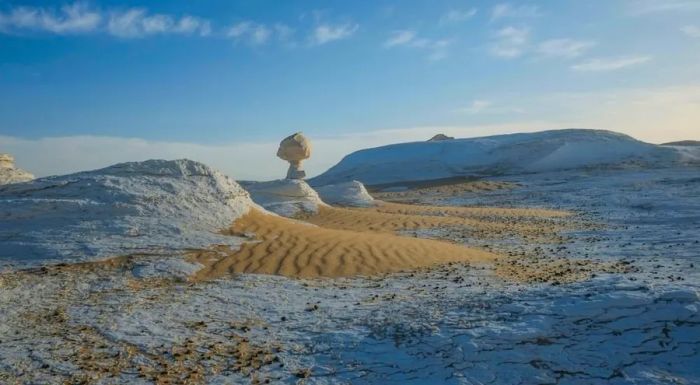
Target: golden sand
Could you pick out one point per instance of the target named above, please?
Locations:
(294, 249)
(460, 222)
(441, 189)
(468, 212)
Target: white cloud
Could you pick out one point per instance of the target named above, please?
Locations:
(80, 18)
(74, 18)
(507, 10)
(402, 37)
(326, 33)
(566, 48)
(609, 64)
(192, 24)
(436, 48)
(456, 15)
(511, 42)
(137, 22)
(691, 30)
(250, 32)
(476, 106)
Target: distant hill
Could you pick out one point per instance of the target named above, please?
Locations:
(498, 155)
(683, 143)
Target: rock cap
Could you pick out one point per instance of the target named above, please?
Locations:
(295, 147)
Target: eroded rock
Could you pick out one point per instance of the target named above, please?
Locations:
(11, 174)
(294, 149)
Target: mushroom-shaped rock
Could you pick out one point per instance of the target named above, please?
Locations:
(9, 173)
(294, 149)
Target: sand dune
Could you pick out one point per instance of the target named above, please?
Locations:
(360, 241)
(290, 248)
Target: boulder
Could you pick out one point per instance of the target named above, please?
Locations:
(353, 194)
(285, 197)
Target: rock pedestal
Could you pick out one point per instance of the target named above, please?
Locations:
(294, 149)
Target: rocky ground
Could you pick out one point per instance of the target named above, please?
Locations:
(610, 296)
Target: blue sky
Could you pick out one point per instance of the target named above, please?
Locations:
(250, 72)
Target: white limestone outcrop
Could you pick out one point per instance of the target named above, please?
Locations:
(9, 173)
(353, 194)
(152, 207)
(286, 197)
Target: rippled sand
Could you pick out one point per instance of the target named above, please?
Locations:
(339, 242)
(295, 249)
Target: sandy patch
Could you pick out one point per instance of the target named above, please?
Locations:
(455, 223)
(290, 248)
(468, 212)
(556, 271)
(439, 189)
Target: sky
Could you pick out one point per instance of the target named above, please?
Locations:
(90, 83)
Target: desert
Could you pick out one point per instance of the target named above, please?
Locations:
(330, 192)
(171, 272)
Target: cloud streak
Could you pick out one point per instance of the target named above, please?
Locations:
(511, 42)
(137, 22)
(326, 33)
(79, 18)
(476, 107)
(564, 48)
(436, 48)
(610, 64)
(250, 32)
(69, 19)
(457, 16)
(507, 10)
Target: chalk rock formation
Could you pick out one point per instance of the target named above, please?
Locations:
(440, 137)
(9, 173)
(294, 149)
(511, 154)
(286, 197)
(152, 207)
(351, 193)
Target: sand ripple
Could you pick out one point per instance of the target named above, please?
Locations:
(291, 248)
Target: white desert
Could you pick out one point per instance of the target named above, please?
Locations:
(171, 272)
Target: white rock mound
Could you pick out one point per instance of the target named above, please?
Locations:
(496, 155)
(286, 197)
(353, 194)
(9, 173)
(152, 207)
